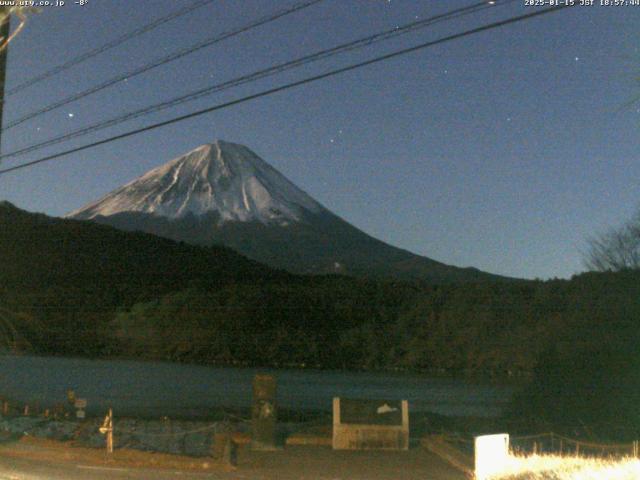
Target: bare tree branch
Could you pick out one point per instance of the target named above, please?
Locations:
(617, 249)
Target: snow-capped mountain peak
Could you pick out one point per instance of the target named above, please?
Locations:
(223, 178)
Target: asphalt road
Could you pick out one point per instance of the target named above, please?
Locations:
(26, 469)
(295, 463)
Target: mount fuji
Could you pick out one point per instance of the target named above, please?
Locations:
(223, 193)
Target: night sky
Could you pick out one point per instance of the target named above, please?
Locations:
(504, 150)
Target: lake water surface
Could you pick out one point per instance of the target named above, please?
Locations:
(159, 388)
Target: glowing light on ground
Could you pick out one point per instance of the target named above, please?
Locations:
(555, 467)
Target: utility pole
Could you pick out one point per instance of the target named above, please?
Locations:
(4, 33)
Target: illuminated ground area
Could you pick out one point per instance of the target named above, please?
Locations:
(550, 467)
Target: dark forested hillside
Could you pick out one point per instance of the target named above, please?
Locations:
(38, 252)
(80, 288)
(70, 276)
(323, 243)
(587, 377)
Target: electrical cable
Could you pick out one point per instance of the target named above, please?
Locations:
(107, 46)
(260, 74)
(162, 61)
(291, 85)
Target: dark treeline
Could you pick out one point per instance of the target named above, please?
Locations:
(587, 377)
(85, 289)
(76, 288)
(337, 322)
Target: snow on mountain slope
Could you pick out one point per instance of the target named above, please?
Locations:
(222, 177)
(224, 194)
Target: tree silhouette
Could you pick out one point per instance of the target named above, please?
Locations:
(616, 249)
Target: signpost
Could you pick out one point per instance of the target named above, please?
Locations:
(107, 429)
(264, 413)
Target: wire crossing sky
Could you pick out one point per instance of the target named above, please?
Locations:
(503, 150)
(159, 62)
(109, 45)
(285, 87)
(276, 69)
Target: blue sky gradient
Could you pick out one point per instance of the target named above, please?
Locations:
(504, 150)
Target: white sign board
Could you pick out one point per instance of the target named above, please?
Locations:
(80, 403)
(491, 455)
(370, 424)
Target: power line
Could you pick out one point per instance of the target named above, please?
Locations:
(279, 68)
(163, 61)
(109, 45)
(291, 85)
